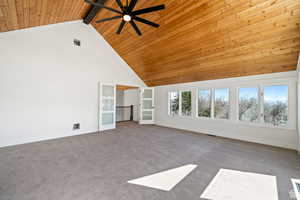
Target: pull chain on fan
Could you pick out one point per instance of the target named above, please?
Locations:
(127, 14)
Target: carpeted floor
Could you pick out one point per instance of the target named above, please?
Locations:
(98, 166)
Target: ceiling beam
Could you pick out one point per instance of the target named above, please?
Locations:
(93, 12)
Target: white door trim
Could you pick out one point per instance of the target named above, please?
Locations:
(141, 120)
(104, 127)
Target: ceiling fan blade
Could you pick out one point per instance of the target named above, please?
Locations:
(132, 5)
(108, 19)
(147, 10)
(121, 27)
(146, 22)
(120, 4)
(103, 6)
(137, 30)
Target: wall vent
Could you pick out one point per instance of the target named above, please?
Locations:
(77, 42)
(76, 126)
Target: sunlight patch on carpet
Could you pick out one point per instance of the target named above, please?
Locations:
(165, 180)
(237, 185)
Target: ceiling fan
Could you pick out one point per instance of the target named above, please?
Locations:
(128, 14)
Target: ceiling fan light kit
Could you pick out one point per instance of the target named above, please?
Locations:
(127, 14)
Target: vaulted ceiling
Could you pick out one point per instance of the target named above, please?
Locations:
(197, 40)
(19, 14)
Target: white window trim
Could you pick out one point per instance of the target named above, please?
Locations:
(180, 104)
(169, 103)
(238, 103)
(288, 125)
(261, 122)
(229, 101)
(212, 103)
(211, 99)
(234, 103)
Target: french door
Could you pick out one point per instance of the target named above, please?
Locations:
(107, 106)
(147, 106)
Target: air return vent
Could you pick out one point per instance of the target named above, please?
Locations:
(77, 42)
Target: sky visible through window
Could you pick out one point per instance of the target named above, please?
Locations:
(248, 92)
(276, 93)
(222, 94)
(204, 93)
(276, 104)
(272, 93)
(173, 95)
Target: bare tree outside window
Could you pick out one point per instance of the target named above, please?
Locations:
(204, 103)
(186, 103)
(248, 104)
(276, 105)
(174, 103)
(221, 106)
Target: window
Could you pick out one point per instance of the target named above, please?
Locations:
(248, 104)
(204, 103)
(221, 104)
(173, 103)
(186, 103)
(260, 104)
(276, 105)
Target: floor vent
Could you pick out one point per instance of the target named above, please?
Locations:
(296, 186)
(211, 135)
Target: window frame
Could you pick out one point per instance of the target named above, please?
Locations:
(197, 99)
(261, 122)
(288, 124)
(169, 103)
(234, 103)
(238, 103)
(212, 103)
(180, 103)
(229, 102)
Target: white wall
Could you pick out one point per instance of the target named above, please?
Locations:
(282, 137)
(47, 84)
(131, 97)
(298, 119)
(120, 98)
(119, 102)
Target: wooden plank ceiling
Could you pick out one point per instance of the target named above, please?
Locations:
(125, 87)
(197, 40)
(19, 14)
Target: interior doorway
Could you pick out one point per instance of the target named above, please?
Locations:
(127, 104)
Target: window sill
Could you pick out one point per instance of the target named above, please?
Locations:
(236, 122)
(215, 119)
(263, 125)
(181, 116)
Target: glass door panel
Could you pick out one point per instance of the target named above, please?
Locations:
(147, 106)
(107, 108)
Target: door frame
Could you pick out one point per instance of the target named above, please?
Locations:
(141, 121)
(100, 112)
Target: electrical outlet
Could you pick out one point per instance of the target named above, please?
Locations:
(76, 126)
